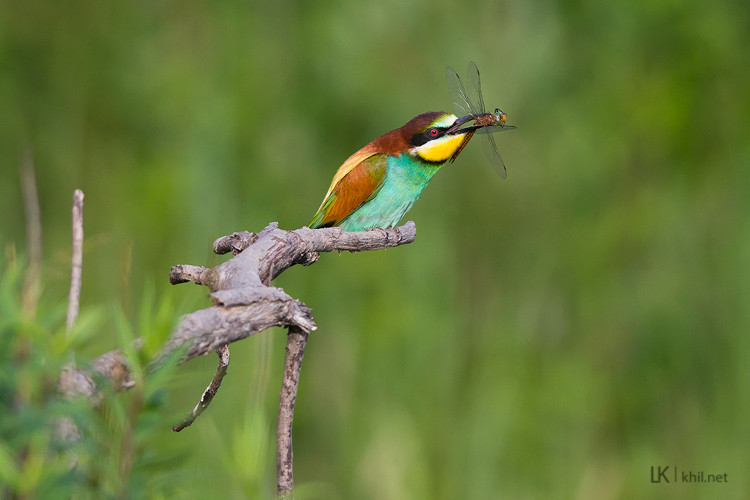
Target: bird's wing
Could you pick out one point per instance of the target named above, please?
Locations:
(355, 182)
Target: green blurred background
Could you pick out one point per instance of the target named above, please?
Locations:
(554, 335)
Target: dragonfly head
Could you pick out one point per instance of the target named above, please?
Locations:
(500, 116)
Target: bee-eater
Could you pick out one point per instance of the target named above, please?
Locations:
(378, 184)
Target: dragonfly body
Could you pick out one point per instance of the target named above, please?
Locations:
(472, 103)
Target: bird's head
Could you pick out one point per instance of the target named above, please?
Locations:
(436, 137)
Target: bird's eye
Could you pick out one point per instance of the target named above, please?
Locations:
(433, 132)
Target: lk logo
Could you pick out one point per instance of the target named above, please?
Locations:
(659, 474)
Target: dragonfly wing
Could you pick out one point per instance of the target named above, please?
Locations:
(495, 128)
(472, 103)
(458, 93)
(475, 88)
(493, 155)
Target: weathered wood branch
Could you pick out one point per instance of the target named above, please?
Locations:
(275, 250)
(244, 303)
(295, 350)
(237, 314)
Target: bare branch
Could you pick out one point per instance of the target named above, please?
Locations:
(205, 330)
(235, 242)
(210, 392)
(244, 303)
(197, 274)
(77, 260)
(295, 350)
(245, 310)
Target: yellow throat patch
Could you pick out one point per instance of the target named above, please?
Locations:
(440, 150)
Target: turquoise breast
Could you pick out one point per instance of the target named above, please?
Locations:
(405, 179)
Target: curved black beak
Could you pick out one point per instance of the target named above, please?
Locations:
(483, 122)
(457, 125)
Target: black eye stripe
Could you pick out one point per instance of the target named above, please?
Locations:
(428, 135)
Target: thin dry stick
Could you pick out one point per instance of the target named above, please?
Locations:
(66, 429)
(77, 260)
(210, 392)
(30, 297)
(295, 350)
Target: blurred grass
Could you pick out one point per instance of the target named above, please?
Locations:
(552, 336)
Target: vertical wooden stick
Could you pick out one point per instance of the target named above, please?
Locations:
(295, 350)
(77, 261)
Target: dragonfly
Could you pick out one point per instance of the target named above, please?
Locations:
(473, 104)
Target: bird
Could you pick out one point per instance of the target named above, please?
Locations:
(378, 184)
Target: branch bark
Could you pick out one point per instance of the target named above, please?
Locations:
(295, 350)
(244, 303)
